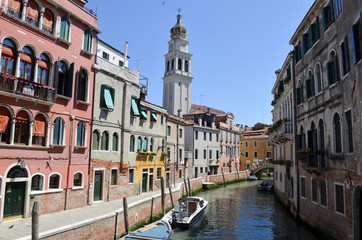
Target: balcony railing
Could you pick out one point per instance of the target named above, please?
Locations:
(27, 89)
(312, 160)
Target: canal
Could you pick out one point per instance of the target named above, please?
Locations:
(239, 211)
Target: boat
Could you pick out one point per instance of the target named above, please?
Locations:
(187, 212)
(267, 184)
(253, 177)
(154, 231)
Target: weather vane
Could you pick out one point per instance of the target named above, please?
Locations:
(179, 10)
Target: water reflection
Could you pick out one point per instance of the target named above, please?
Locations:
(241, 212)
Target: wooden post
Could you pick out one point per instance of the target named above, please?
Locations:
(163, 196)
(222, 171)
(187, 193)
(125, 211)
(190, 191)
(169, 188)
(151, 210)
(35, 222)
(115, 226)
(237, 171)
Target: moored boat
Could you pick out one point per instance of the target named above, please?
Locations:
(267, 184)
(154, 231)
(187, 212)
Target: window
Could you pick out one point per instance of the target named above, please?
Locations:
(255, 154)
(8, 57)
(144, 115)
(159, 173)
(21, 128)
(78, 179)
(115, 142)
(204, 136)
(217, 154)
(210, 154)
(345, 56)
(217, 137)
(168, 66)
(43, 69)
(204, 154)
(201, 170)
(349, 131)
(246, 154)
(179, 64)
(64, 80)
(310, 85)
(135, 107)
(81, 134)
(318, 78)
(168, 130)
(54, 181)
(131, 143)
(172, 64)
(255, 144)
(145, 144)
(105, 141)
(95, 140)
(83, 86)
(302, 183)
(356, 36)
(180, 154)
(161, 119)
(311, 36)
(32, 13)
(153, 116)
(297, 53)
(246, 144)
(64, 28)
(120, 63)
(139, 144)
(328, 15)
(196, 135)
(5, 120)
(339, 198)
(107, 98)
(180, 133)
(131, 175)
(227, 136)
(268, 154)
(321, 134)
(186, 66)
(196, 154)
(168, 152)
(210, 137)
(87, 40)
(300, 93)
(114, 174)
(338, 7)
(314, 191)
(105, 55)
(323, 193)
(39, 133)
(37, 183)
(48, 21)
(14, 8)
(337, 134)
(27, 63)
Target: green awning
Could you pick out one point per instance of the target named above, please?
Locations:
(135, 107)
(108, 99)
(144, 114)
(154, 116)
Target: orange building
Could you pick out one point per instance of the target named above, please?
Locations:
(255, 149)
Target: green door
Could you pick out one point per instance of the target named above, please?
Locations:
(144, 182)
(14, 199)
(98, 186)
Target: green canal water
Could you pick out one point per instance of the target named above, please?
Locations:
(239, 211)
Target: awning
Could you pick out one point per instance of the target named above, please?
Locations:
(39, 128)
(154, 116)
(108, 98)
(135, 107)
(144, 114)
(4, 120)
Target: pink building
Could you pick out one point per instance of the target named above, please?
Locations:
(46, 84)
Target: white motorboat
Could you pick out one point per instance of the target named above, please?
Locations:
(159, 230)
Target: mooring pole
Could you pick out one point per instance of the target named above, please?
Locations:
(115, 226)
(169, 188)
(187, 193)
(222, 171)
(125, 211)
(190, 191)
(163, 196)
(151, 210)
(35, 222)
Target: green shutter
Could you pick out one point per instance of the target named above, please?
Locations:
(305, 42)
(330, 73)
(312, 85)
(69, 81)
(108, 99)
(134, 107)
(355, 44)
(335, 69)
(346, 53)
(317, 27)
(325, 18)
(331, 10)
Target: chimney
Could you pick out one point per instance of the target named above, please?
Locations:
(125, 55)
(200, 122)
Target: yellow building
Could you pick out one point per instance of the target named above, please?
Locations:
(255, 149)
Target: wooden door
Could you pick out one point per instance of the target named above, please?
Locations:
(14, 199)
(98, 181)
(144, 182)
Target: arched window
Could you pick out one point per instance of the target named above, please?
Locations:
(168, 66)
(81, 134)
(131, 143)
(87, 40)
(179, 64)
(64, 83)
(95, 140)
(172, 64)
(48, 21)
(309, 83)
(321, 134)
(337, 133)
(27, 63)
(139, 144)
(82, 85)
(43, 69)
(8, 58)
(14, 8)
(22, 128)
(299, 92)
(32, 13)
(105, 141)
(145, 144)
(186, 65)
(64, 28)
(58, 131)
(318, 78)
(39, 130)
(115, 142)
(151, 144)
(332, 68)
(37, 182)
(312, 137)
(78, 179)
(55, 181)
(5, 125)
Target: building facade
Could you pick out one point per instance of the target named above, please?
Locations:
(328, 73)
(46, 86)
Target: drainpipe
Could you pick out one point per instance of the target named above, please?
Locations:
(72, 117)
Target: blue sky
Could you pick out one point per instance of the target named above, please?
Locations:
(237, 45)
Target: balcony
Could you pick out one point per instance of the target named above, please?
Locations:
(312, 159)
(214, 162)
(27, 90)
(188, 154)
(281, 132)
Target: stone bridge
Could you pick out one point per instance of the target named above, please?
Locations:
(261, 169)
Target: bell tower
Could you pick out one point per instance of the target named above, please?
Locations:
(177, 78)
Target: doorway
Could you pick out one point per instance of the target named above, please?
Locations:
(98, 189)
(14, 199)
(144, 182)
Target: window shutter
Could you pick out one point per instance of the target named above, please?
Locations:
(307, 83)
(346, 53)
(329, 72)
(101, 99)
(355, 44)
(289, 74)
(310, 35)
(335, 69)
(295, 54)
(312, 85)
(317, 28)
(56, 74)
(332, 10)
(69, 81)
(56, 132)
(305, 42)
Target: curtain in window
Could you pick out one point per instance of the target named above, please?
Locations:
(64, 28)
(95, 140)
(87, 42)
(131, 143)
(48, 21)
(139, 143)
(14, 5)
(58, 131)
(32, 10)
(80, 134)
(115, 142)
(104, 141)
(39, 128)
